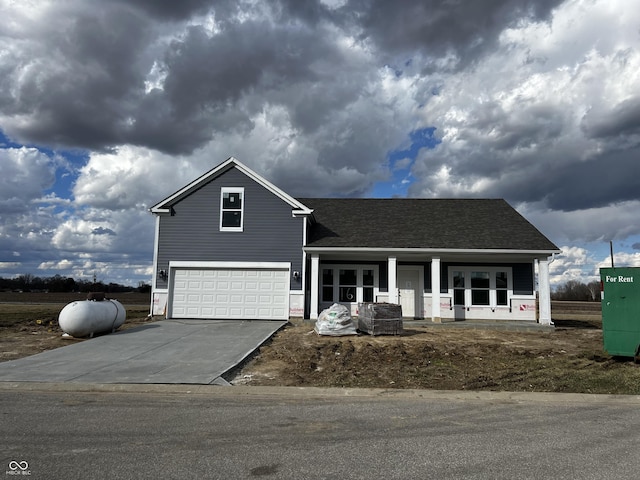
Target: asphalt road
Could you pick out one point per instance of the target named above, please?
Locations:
(248, 432)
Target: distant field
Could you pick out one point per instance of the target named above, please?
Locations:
(38, 298)
(576, 314)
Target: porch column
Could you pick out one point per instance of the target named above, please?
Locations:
(393, 279)
(544, 292)
(315, 275)
(435, 290)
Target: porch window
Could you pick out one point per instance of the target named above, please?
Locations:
(348, 283)
(480, 285)
(367, 285)
(327, 285)
(231, 209)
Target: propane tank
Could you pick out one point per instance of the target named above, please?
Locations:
(86, 317)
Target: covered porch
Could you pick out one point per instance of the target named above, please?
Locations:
(433, 285)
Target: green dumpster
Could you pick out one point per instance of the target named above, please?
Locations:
(621, 311)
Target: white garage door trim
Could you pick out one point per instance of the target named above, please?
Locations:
(229, 290)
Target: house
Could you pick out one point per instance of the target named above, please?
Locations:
(232, 245)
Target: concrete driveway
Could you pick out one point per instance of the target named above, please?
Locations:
(168, 351)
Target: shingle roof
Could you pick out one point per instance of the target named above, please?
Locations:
(422, 223)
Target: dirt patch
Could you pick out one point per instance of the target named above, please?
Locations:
(569, 358)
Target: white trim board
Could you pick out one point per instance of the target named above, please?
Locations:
(196, 264)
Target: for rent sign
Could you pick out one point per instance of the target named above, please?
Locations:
(618, 279)
(621, 311)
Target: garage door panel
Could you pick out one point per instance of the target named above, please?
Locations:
(222, 298)
(230, 294)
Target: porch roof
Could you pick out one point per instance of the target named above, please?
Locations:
(398, 223)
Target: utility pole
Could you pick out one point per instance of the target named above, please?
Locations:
(611, 249)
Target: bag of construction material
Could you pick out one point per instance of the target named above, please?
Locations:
(336, 321)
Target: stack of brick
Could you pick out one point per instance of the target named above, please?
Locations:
(380, 318)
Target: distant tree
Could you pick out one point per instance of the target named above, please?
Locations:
(83, 285)
(595, 289)
(24, 281)
(38, 283)
(117, 288)
(574, 290)
(58, 283)
(90, 286)
(6, 284)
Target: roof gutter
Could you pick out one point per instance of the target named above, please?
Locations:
(427, 250)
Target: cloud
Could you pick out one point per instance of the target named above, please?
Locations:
(530, 124)
(98, 230)
(215, 66)
(602, 224)
(127, 177)
(456, 32)
(9, 265)
(103, 231)
(532, 101)
(72, 72)
(574, 263)
(621, 120)
(621, 259)
(24, 174)
(168, 9)
(63, 264)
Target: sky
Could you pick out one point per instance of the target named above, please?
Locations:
(106, 108)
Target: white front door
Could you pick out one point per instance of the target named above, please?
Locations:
(409, 289)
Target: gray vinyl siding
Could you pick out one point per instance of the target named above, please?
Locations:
(192, 231)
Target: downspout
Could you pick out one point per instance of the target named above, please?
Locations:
(154, 278)
(544, 290)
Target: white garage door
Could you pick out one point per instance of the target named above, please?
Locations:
(231, 294)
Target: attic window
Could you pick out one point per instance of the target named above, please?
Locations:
(231, 209)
